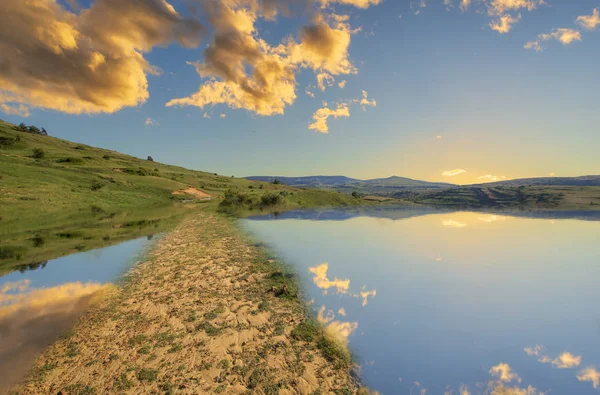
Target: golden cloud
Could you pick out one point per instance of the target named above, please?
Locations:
(356, 3)
(322, 114)
(491, 178)
(89, 62)
(320, 279)
(590, 374)
(324, 80)
(589, 22)
(564, 35)
(453, 172)
(453, 224)
(464, 5)
(504, 373)
(243, 71)
(566, 360)
(365, 296)
(504, 23)
(498, 7)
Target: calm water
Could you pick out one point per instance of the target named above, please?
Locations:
(451, 302)
(40, 303)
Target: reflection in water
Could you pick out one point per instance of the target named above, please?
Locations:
(459, 296)
(323, 282)
(338, 330)
(32, 318)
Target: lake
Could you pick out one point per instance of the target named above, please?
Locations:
(40, 301)
(452, 302)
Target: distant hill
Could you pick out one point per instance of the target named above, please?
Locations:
(377, 186)
(582, 181)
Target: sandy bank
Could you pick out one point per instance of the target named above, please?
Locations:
(206, 312)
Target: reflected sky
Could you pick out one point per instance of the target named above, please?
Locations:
(453, 302)
(40, 304)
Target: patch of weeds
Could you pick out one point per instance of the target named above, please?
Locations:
(264, 305)
(168, 388)
(147, 375)
(192, 317)
(205, 366)
(335, 352)
(138, 339)
(210, 316)
(240, 370)
(308, 331)
(224, 364)
(209, 329)
(181, 368)
(80, 389)
(279, 329)
(220, 389)
(122, 383)
(256, 378)
(175, 348)
(164, 338)
(113, 357)
(72, 350)
(144, 350)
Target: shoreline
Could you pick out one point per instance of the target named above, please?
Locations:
(206, 311)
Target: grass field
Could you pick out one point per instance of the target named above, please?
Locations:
(59, 197)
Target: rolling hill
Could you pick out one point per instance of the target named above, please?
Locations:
(377, 186)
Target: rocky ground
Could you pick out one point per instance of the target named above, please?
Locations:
(207, 312)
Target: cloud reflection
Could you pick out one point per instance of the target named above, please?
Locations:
(338, 330)
(320, 279)
(450, 223)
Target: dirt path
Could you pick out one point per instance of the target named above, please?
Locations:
(207, 312)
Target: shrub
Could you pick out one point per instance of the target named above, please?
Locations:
(276, 181)
(355, 194)
(96, 185)
(107, 157)
(69, 159)
(38, 153)
(150, 159)
(234, 198)
(270, 199)
(7, 141)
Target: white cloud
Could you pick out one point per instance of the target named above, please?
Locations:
(453, 172)
(565, 36)
(222, 116)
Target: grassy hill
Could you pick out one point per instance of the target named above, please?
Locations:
(377, 186)
(60, 196)
(536, 197)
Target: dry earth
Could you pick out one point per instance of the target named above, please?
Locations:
(206, 312)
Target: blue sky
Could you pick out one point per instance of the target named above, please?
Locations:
(450, 92)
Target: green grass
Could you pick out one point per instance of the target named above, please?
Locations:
(101, 197)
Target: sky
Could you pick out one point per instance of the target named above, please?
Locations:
(440, 90)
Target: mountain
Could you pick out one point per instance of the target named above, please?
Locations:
(582, 181)
(377, 186)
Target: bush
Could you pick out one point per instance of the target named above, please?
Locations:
(7, 141)
(150, 159)
(96, 185)
(355, 194)
(276, 181)
(70, 159)
(38, 153)
(30, 129)
(107, 157)
(234, 198)
(270, 199)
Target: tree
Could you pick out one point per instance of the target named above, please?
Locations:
(150, 159)
(355, 194)
(44, 132)
(34, 130)
(276, 181)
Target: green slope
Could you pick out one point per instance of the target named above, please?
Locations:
(78, 197)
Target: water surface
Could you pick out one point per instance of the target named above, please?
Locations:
(445, 302)
(40, 302)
